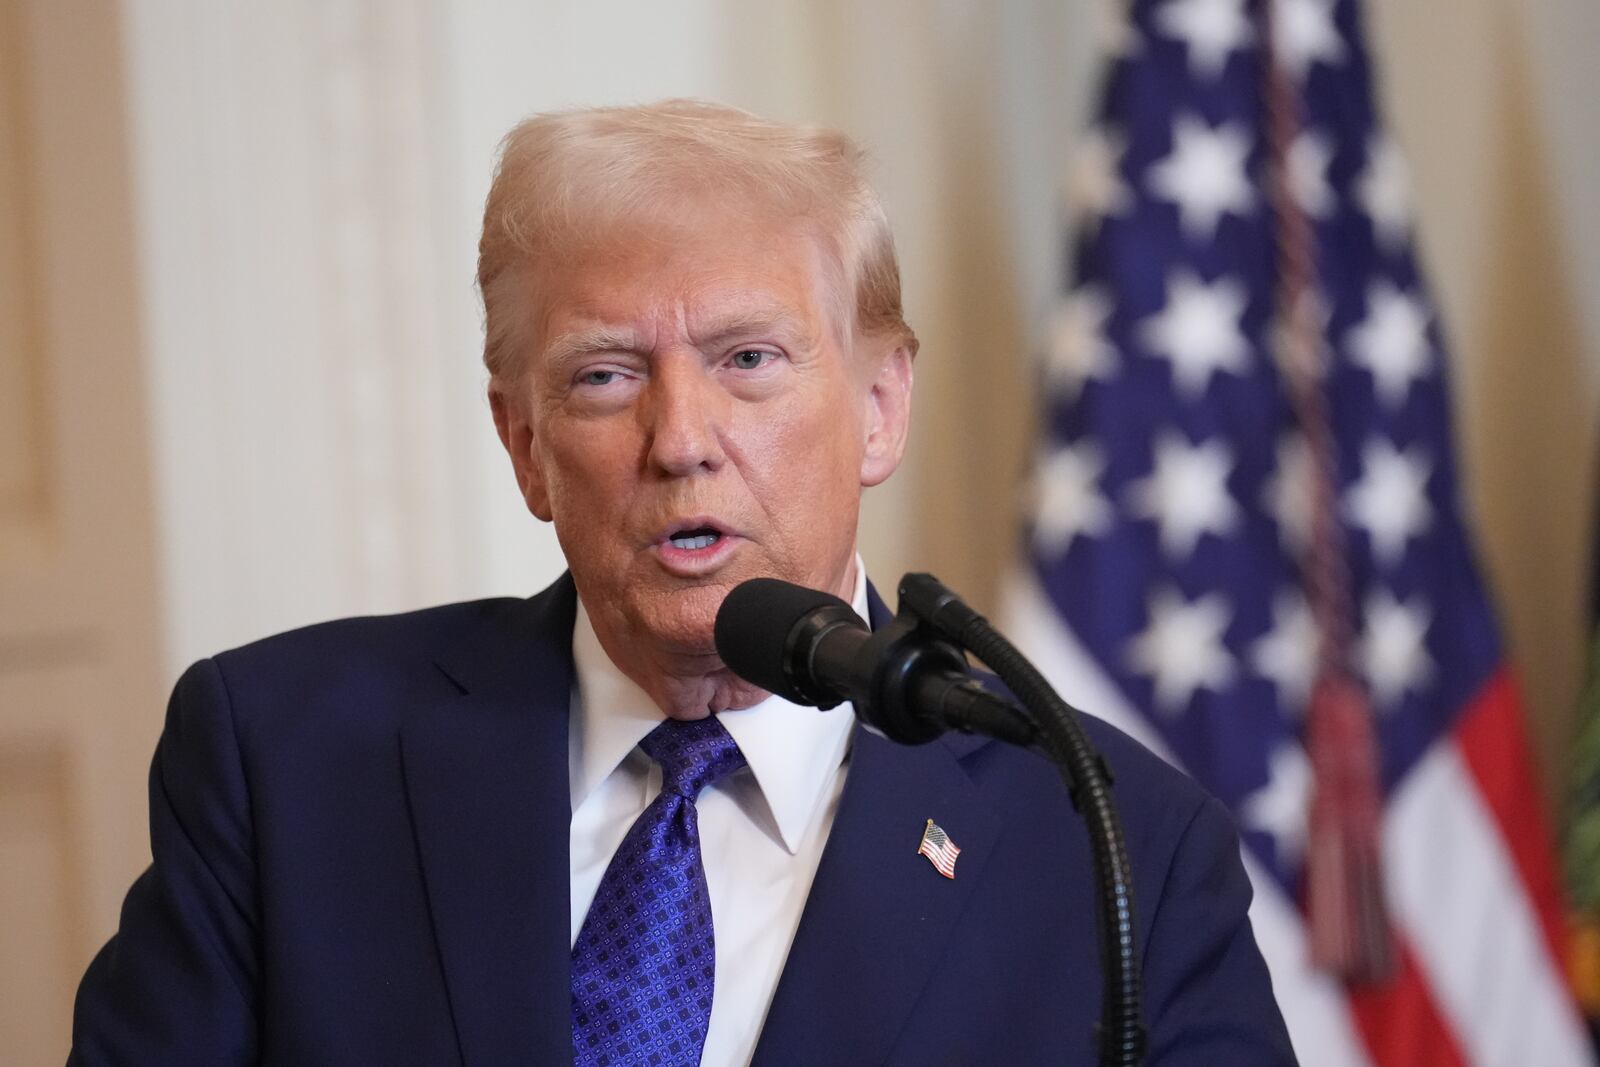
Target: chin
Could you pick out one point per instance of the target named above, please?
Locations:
(686, 621)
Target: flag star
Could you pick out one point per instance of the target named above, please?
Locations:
(1384, 190)
(1287, 655)
(1186, 493)
(1308, 161)
(1287, 494)
(1067, 499)
(1181, 648)
(1079, 350)
(1390, 501)
(1204, 175)
(1094, 188)
(1212, 29)
(1392, 341)
(1280, 807)
(1199, 331)
(1393, 656)
(1304, 33)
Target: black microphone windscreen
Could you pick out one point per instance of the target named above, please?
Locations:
(753, 627)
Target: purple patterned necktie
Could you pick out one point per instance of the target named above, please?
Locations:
(644, 962)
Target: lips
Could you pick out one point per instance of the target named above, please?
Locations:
(695, 545)
(693, 533)
(695, 538)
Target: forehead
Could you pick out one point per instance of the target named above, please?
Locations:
(701, 270)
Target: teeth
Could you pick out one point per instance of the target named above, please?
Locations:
(695, 542)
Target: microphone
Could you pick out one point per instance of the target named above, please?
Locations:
(811, 648)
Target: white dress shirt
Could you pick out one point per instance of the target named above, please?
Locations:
(761, 829)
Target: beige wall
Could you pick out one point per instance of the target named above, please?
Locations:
(81, 692)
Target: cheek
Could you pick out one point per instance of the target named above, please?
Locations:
(586, 471)
(811, 457)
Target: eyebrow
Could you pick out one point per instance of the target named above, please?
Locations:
(756, 320)
(589, 339)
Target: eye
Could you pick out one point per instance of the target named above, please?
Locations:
(598, 377)
(751, 358)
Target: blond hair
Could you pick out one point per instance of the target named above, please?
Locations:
(564, 175)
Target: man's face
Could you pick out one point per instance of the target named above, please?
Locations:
(690, 417)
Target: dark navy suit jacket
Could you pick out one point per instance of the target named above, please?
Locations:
(360, 857)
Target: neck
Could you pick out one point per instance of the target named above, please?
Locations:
(682, 685)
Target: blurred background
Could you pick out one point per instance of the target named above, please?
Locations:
(239, 342)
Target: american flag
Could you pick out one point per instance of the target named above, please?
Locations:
(940, 850)
(1245, 520)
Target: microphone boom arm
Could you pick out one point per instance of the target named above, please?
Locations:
(1088, 781)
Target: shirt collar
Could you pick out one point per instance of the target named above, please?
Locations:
(792, 751)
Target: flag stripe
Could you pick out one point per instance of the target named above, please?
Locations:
(1473, 928)
(1400, 1022)
(1491, 738)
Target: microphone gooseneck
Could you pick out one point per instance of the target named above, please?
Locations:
(1088, 781)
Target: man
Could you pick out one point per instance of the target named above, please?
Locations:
(523, 831)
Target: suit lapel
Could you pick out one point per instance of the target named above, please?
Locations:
(486, 776)
(878, 916)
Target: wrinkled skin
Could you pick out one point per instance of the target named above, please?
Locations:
(697, 374)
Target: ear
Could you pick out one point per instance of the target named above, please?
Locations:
(888, 414)
(516, 435)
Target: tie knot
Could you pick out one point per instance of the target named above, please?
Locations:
(692, 754)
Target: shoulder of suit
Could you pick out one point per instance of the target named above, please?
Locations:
(355, 670)
(423, 632)
(1134, 768)
(1147, 788)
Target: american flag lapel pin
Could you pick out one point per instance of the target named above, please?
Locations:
(940, 850)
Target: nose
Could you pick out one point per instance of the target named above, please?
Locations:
(687, 413)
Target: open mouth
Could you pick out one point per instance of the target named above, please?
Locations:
(694, 539)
